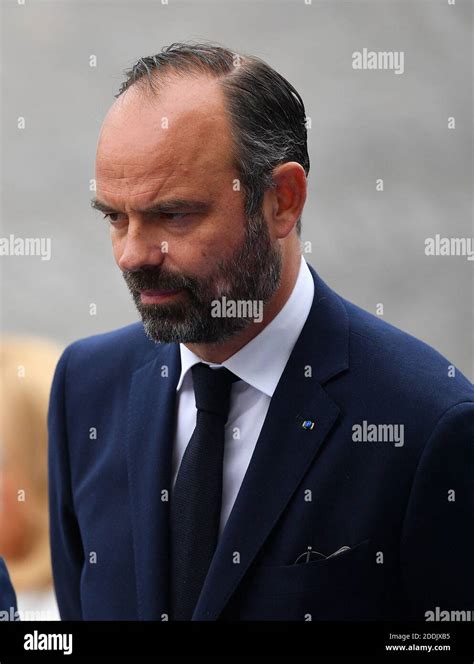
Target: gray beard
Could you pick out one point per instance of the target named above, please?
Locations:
(252, 273)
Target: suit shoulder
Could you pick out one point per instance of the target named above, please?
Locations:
(399, 362)
(127, 345)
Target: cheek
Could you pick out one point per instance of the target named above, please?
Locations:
(225, 234)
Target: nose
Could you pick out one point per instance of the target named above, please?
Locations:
(138, 248)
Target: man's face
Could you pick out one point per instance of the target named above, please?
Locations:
(179, 259)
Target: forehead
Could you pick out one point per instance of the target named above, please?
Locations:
(179, 137)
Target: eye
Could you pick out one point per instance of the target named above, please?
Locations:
(175, 216)
(112, 217)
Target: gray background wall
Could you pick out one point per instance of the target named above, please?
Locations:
(368, 245)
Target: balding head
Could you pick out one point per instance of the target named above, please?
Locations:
(168, 174)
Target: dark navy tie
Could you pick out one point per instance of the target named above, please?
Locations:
(197, 494)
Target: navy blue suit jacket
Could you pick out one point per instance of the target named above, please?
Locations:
(406, 512)
(7, 594)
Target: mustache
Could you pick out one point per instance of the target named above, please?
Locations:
(156, 279)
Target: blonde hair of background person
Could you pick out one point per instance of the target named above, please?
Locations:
(26, 371)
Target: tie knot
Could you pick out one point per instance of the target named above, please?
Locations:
(212, 388)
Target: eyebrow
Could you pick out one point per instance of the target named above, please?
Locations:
(164, 206)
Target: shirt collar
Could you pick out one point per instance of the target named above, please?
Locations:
(261, 361)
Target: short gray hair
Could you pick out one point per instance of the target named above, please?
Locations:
(267, 114)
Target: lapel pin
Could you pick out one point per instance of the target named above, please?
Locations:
(308, 424)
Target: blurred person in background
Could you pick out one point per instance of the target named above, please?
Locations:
(26, 370)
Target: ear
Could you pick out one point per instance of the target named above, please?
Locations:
(283, 204)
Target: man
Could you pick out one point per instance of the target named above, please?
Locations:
(8, 609)
(257, 448)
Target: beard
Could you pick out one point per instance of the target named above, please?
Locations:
(253, 273)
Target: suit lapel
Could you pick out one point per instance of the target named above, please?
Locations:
(284, 450)
(149, 438)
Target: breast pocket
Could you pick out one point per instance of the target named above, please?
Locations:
(337, 588)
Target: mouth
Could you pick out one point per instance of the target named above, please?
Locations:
(157, 296)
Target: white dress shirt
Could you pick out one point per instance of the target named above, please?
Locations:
(259, 364)
(37, 604)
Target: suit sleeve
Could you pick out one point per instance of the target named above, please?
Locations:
(66, 545)
(437, 542)
(7, 594)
